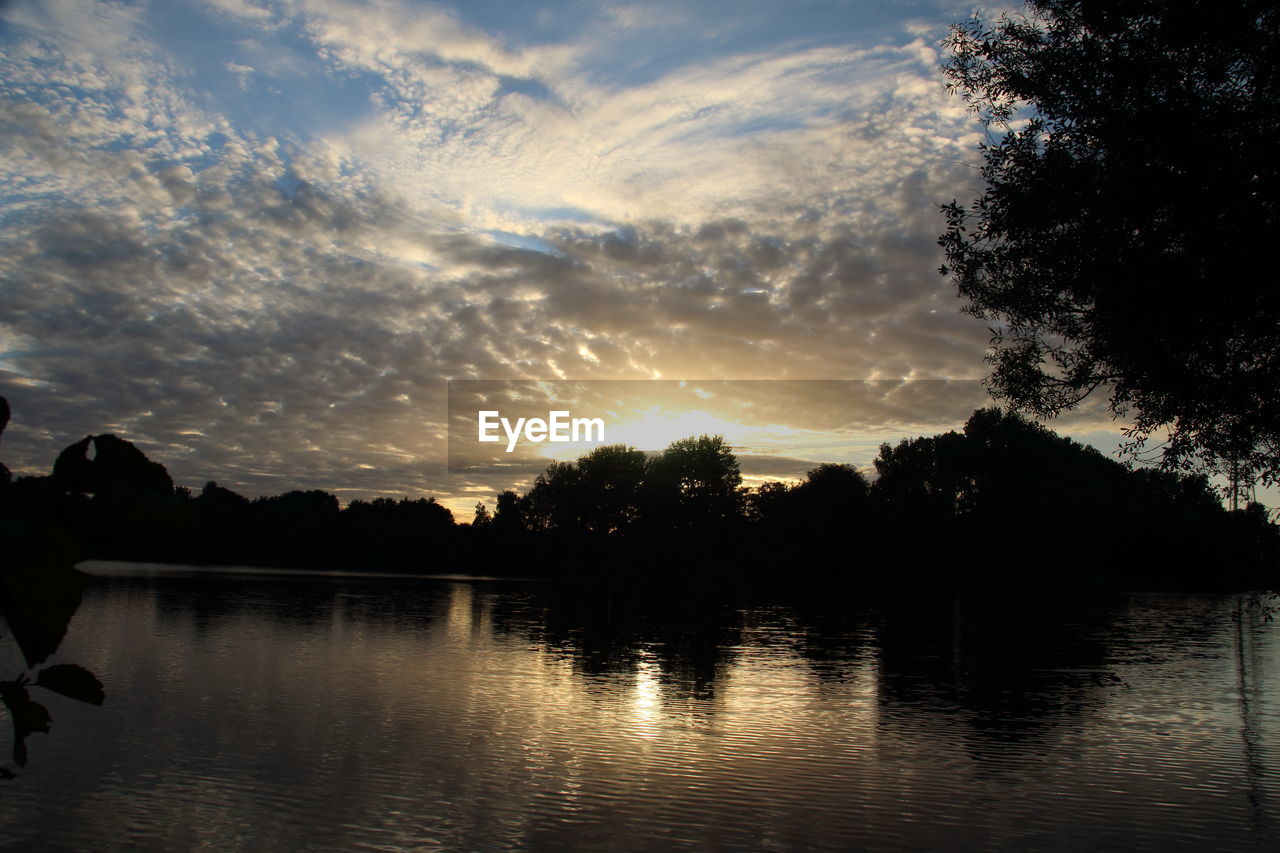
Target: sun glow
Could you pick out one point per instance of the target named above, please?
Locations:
(656, 429)
(653, 429)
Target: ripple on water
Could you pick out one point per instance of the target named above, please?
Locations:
(335, 714)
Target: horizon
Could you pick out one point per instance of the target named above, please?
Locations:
(756, 469)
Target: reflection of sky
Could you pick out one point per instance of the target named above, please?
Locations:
(329, 713)
(257, 237)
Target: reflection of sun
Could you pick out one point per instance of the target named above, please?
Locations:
(646, 712)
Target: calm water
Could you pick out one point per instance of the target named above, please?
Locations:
(260, 712)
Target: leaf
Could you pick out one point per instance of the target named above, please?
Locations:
(30, 717)
(27, 717)
(38, 601)
(73, 681)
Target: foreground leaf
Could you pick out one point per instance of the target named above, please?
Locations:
(73, 681)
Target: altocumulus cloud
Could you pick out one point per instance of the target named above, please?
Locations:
(260, 252)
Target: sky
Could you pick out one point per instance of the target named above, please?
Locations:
(259, 239)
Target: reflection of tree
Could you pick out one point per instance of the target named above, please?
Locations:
(689, 637)
(1248, 687)
(1009, 670)
(215, 601)
(833, 639)
(1006, 667)
(40, 589)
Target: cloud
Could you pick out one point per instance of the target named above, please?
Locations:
(758, 136)
(283, 309)
(258, 14)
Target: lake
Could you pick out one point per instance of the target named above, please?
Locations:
(269, 711)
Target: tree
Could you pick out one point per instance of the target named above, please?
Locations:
(693, 485)
(1003, 469)
(1123, 240)
(830, 501)
(509, 518)
(611, 477)
(924, 480)
(554, 502)
(769, 503)
(1028, 497)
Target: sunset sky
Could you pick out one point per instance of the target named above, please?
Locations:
(257, 238)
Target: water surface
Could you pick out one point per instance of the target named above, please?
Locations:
(282, 712)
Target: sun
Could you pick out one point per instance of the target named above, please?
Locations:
(656, 429)
(652, 429)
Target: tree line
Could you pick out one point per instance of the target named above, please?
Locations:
(1002, 497)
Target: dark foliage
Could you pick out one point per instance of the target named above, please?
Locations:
(388, 534)
(833, 500)
(1004, 498)
(1033, 502)
(1123, 240)
(40, 588)
(692, 485)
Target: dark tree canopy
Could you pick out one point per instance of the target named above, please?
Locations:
(117, 466)
(556, 502)
(612, 475)
(831, 502)
(693, 484)
(1123, 240)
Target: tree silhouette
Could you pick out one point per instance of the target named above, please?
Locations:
(923, 480)
(1003, 495)
(610, 479)
(831, 495)
(133, 505)
(394, 535)
(768, 504)
(1124, 238)
(829, 503)
(692, 485)
(509, 518)
(554, 502)
(1042, 501)
(40, 589)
